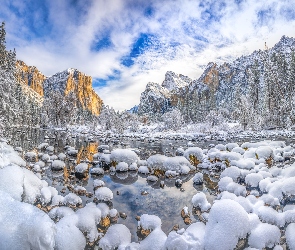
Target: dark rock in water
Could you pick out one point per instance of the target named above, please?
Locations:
(178, 183)
(81, 175)
(123, 215)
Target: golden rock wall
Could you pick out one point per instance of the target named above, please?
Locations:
(30, 76)
(81, 85)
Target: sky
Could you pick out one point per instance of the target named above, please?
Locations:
(124, 44)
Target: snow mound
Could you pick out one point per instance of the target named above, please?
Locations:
(200, 200)
(264, 235)
(227, 222)
(104, 194)
(117, 236)
(123, 155)
(192, 238)
(24, 226)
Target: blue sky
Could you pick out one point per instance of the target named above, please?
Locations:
(124, 44)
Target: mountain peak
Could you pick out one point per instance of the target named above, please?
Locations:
(174, 81)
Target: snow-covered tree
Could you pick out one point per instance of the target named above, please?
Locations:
(173, 119)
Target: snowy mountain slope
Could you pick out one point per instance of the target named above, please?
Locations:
(265, 77)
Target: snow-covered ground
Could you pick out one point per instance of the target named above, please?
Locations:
(254, 205)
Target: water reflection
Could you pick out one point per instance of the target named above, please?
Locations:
(128, 187)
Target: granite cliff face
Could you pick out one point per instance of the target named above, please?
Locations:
(175, 91)
(266, 77)
(67, 81)
(30, 76)
(72, 80)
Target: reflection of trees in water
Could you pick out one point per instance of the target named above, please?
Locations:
(27, 138)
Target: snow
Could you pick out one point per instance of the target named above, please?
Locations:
(290, 236)
(178, 163)
(243, 163)
(98, 183)
(264, 235)
(104, 193)
(61, 156)
(58, 213)
(88, 217)
(227, 222)
(122, 167)
(24, 226)
(43, 146)
(58, 165)
(152, 178)
(232, 172)
(68, 236)
(231, 146)
(195, 152)
(198, 178)
(143, 170)
(81, 168)
(133, 167)
(253, 179)
(113, 212)
(45, 157)
(31, 156)
(156, 162)
(117, 236)
(72, 199)
(97, 171)
(9, 156)
(124, 155)
(157, 238)
(191, 238)
(200, 200)
(47, 193)
(264, 152)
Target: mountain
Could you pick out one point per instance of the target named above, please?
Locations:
(30, 76)
(265, 78)
(70, 80)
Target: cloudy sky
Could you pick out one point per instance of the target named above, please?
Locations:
(124, 44)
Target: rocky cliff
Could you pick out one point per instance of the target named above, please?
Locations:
(70, 80)
(265, 77)
(30, 76)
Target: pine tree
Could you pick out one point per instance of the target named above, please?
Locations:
(3, 52)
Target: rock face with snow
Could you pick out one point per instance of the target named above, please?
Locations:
(30, 76)
(221, 86)
(70, 80)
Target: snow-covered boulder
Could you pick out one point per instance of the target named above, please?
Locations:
(58, 165)
(24, 226)
(123, 155)
(227, 223)
(194, 155)
(117, 237)
(264, 235)
(191, 238)
(104, 193)
(200, 200)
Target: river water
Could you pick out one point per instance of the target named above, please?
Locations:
(127, 187)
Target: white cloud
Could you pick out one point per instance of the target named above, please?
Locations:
(230, 29)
